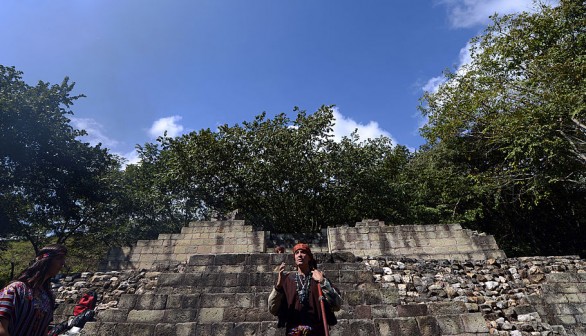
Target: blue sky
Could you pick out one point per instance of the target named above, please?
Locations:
(181, 65)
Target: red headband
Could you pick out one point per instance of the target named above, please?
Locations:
(49, 254)
(301, 246)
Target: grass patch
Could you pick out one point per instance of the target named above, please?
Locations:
(83, 255)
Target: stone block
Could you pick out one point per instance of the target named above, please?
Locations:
(362, 312)
(361, 327)
(383, 311)
(113, 315)
(278, 258)
(474, 323)
(575, 298)
(411, 310)
(209, 300)
(261, 300)
(396, 326)
(269, 328)
(450, 324)
(566, 309)
(165, 329)
(390, 296)
(190, 279)
(145, 316)
(230, 259)
(447, 308)
(229, 279)
(90, 328)
(262, 279)
(372, 297)
(428, 326)
(562, 277)
(354, 298)
(566, 319)
(364, 277)
(120, 329)
(524, 309)
(127, 301)
(258, 315)
(210, 315)
(201, 260)
(186, 329)
(225, 328)
(180, 315)
(209, 280)
(246, 328)
(151, 302)
(259, 259)
(234, 314)
(341, 329)
(347, 277)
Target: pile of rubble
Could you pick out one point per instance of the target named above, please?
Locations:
(500, 289)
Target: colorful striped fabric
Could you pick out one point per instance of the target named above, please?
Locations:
(29, 315)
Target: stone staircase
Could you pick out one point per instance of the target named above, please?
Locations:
(562, 303)
(226, 294)
(367, 238)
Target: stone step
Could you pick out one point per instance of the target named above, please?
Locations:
(465, 324)
(244, 278)
(326, 260)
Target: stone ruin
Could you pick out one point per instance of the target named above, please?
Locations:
(214, 278)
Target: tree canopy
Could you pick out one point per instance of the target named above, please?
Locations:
(505, 153)
(50, 182)
(513, 122)
(287, 175)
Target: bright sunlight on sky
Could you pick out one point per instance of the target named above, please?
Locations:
(147, 66)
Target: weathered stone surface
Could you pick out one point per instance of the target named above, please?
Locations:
(411, 310)
(428, 326)
(222, 293)
(145, 316)
(210, 315)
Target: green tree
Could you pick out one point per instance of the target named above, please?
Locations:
(51, 183)
(151, 201)
(515, 116)
(287, 174)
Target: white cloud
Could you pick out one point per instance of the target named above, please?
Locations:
(344, 126)
(434, 83)
(464, 58)
(470, 13)
(95, 132)
(169, 124)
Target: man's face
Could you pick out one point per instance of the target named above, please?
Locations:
(301, 258)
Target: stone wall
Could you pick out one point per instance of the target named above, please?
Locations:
(374, 238)
(168, 250)
(367, 238)
(226, 295)
(317, 241)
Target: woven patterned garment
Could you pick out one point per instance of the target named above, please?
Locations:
(301, 331)
(29, 314)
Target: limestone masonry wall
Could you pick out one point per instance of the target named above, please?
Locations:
(367, 238)
(214, 278)
(374, 238)
(514, 296)
(212, 237)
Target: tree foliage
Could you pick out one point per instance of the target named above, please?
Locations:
(513, 120)
(50, 182)
(287, 174)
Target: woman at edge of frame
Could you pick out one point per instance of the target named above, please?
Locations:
(295, 299)
(26, 305)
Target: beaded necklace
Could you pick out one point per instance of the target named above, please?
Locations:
(302, 286)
